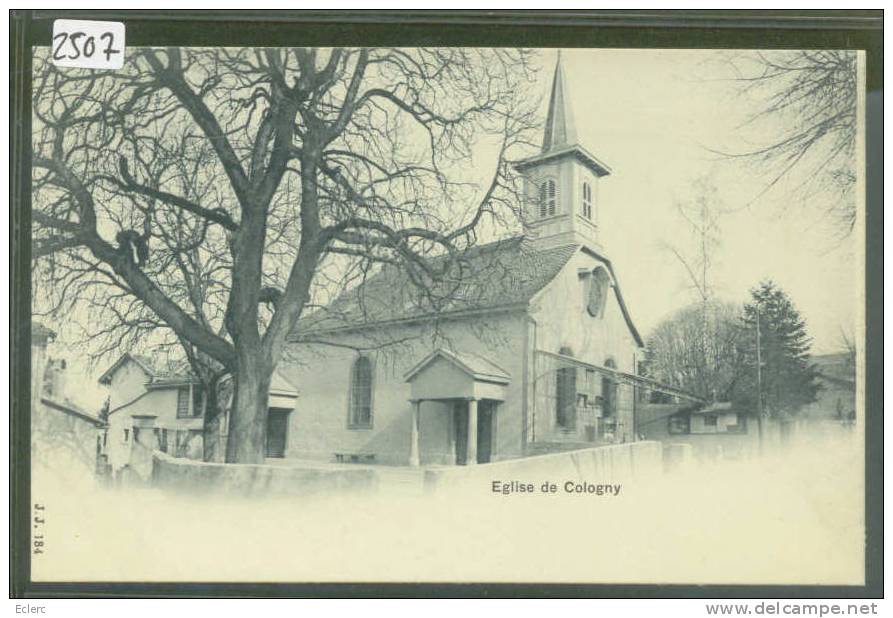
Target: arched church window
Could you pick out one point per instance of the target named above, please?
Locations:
(548, 196)
(587, 200)
(566, 393)
(360, 415)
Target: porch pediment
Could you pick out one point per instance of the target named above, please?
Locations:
(445, 374)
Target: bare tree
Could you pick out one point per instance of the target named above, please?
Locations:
(679, 355)
(203, 196)
(701, 213)
(807, 107)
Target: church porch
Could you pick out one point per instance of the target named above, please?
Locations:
(455, 400)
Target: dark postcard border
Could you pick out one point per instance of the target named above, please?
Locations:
(857, 29)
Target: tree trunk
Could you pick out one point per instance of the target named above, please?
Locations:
(246, 440)
(212, 426)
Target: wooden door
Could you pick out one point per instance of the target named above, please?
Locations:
(277, 431)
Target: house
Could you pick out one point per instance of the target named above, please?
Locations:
(836, 399)
(713, 430)
(833, 413)
(526, 346)
(157, 394)
(66, 440)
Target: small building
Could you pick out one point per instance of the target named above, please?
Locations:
(154, 393)
(833, 413)
(713, 430)
(66, 440)
(836, 399)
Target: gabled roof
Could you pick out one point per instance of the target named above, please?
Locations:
(177, 373)
(168, 372)
(623, 309)
(839, 367)
(71, 409)
(502, 274)
(280, 386)
(561, 130)
(560, 134)
(40, 334)
(717, 407)
(478, 367)
(585, 157)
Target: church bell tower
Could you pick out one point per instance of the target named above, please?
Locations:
(561, 182)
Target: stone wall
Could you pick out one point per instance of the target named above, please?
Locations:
(614, 463)
(244, 480)
(150, 467)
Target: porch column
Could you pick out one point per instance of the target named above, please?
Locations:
(472, 449)
(414, 434)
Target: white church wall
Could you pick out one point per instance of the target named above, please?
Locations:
(318, 426)
(564, 322)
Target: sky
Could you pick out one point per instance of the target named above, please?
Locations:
(652, 116)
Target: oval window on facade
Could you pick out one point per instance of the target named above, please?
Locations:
(599, 282)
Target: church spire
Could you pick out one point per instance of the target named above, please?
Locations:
(561, 131)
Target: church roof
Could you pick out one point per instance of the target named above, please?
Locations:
(560, 133)
(501, 274)
(561, 130)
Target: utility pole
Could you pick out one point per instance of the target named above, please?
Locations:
(759, 383)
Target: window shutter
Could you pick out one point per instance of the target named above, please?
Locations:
(543, 200)
(553, 194)
(182, 401)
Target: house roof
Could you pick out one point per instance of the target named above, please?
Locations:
(476, 366)
(281, 386)
(717, 407)
(165, 374)
(501, 274)
(838, 367)
(158, 371)
(70, 408)
(40, 334)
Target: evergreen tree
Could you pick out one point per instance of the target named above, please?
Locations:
(787, 379)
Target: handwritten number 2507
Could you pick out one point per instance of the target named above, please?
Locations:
(88, 49)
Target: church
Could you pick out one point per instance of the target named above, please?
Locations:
(533, 352)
